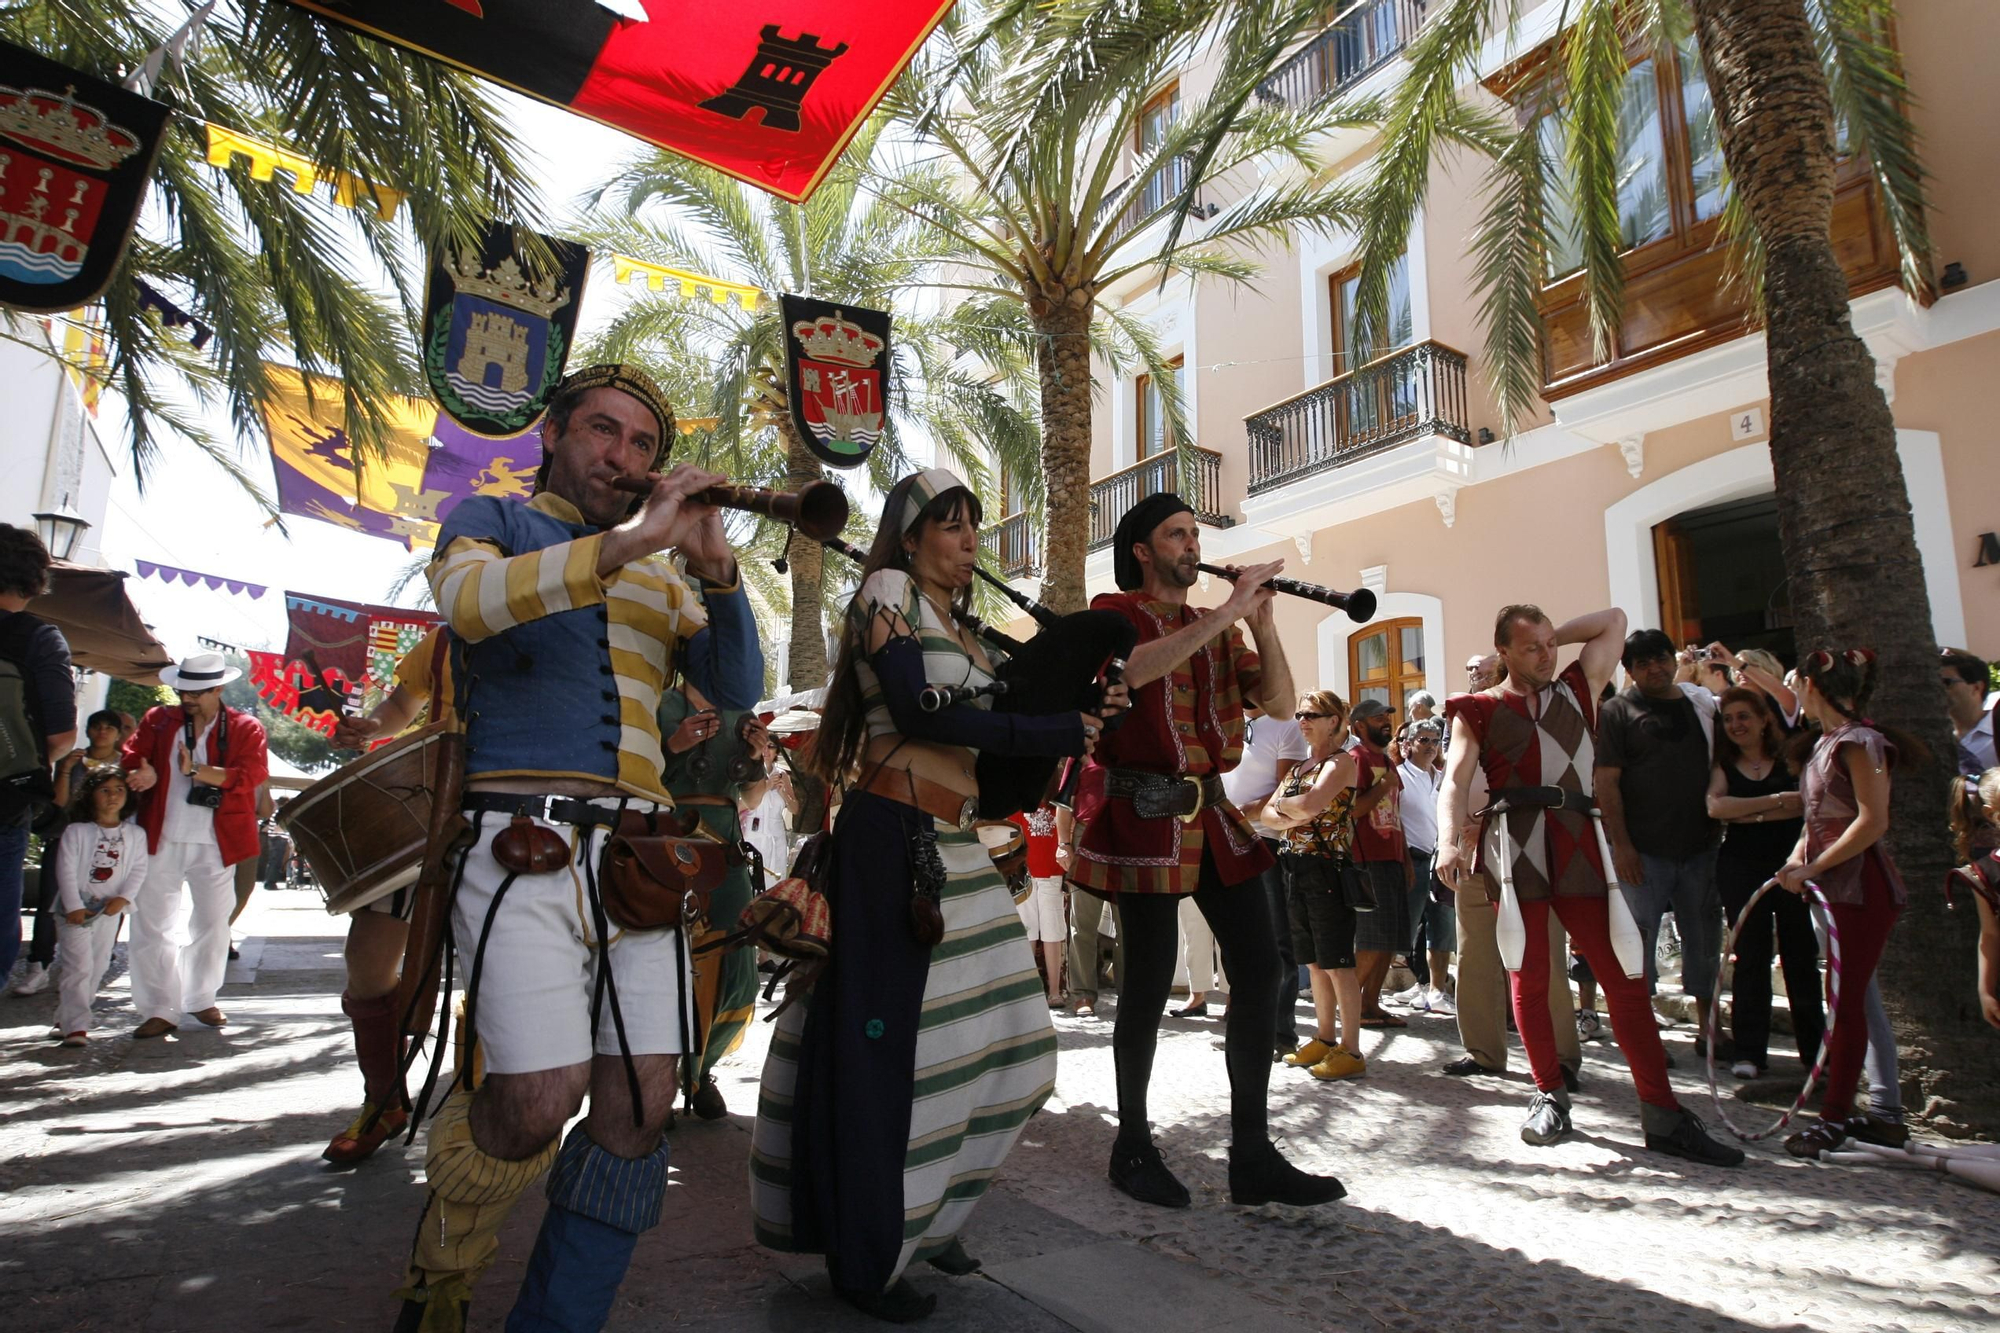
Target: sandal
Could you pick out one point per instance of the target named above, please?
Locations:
(1383, 1021)
(370, 1130)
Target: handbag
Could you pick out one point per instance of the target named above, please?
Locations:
(663, 880)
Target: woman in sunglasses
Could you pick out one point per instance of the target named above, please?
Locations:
(1313, 814)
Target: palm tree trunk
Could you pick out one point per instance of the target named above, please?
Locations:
(1844, 516)
(1062, 357)
(806, 557)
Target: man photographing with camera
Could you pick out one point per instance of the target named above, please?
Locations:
(196, 765)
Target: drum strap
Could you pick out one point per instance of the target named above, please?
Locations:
(607, 985)
(448, 946)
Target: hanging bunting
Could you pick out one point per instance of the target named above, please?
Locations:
(316, 472)
(496, 335)
(172, 316)
(837, 377)
(151, 569)
(769, 93)
(85, 354)
(75, 157)
(659, 277)
(349, 191)
(291, 688)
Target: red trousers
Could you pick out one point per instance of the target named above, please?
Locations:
(1589, 925)
(1864, 930)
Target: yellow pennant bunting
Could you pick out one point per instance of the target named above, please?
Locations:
(658, 277)
(224, 146)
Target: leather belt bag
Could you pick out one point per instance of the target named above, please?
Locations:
(932, 798)
(1163, 795)
(660, 872)
(1551, 798)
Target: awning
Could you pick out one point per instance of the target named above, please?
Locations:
(90, 607)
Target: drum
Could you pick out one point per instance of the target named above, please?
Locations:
(1008, 847)
(362, 827)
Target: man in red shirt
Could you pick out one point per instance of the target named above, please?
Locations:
(1532, 737)
(1042, 910)
(1158, 826)
(197, 766)
(1380, 852)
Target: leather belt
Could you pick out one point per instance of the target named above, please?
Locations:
(932, 798)
(554, 809)
(1164, 795)
(702, 800)
(1549, 798)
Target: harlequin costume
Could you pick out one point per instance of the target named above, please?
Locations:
(1541, 845)
(559, 675)
(892, 1094)
(1157, 826)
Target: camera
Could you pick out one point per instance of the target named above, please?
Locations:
(205, 796)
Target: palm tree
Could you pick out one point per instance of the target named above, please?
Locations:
(1782, 74)
(728, 362)
(273, 272)
(1028, 120)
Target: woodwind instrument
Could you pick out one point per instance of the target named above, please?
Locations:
(818, 509)
(1359, 604)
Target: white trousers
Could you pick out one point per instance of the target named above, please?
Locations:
(86, 956)
(1042, 911)
(169, 980)
(1199, 970)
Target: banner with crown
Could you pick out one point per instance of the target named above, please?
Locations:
(837, 377)
(75, 157)
(769, 93)
(496, 334)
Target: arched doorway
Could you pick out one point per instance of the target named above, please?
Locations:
(1722, 576)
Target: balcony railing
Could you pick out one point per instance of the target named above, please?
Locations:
(1405, 395)
(1152, 195)
(1015, 544)
(1200, 485)
(1348, 50)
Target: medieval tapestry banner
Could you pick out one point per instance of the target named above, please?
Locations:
(837, 377)
(76, 154)
(768, 92)
(496, 336)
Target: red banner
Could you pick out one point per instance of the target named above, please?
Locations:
(769, 92)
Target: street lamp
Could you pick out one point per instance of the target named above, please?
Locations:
(60, 528)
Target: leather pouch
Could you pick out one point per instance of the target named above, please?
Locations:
(658, 876)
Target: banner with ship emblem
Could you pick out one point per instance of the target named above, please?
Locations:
(76, 154)
(837, 377)
(496, 336)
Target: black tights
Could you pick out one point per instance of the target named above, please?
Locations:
(1148, 926)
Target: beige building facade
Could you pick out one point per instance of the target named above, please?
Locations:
(1646, 483)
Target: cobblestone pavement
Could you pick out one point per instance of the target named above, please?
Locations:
(176, 1185)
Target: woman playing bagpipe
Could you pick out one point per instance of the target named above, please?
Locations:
(711, 756)
(893, 1093)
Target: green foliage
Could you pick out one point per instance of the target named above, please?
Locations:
(274, 272)
(122, 696)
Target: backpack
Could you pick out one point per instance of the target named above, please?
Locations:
(25, 776)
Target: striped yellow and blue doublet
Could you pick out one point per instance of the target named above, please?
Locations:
(563, 669)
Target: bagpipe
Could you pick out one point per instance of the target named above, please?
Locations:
(1064, 667)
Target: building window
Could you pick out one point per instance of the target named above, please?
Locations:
(1161, 111)
(1349, 351)
(1645, 210)
(1151, 417)
(1387, 662)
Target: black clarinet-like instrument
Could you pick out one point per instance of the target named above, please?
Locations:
(935, 697)
(1359, 604)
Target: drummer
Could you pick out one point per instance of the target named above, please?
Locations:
(378, 931)
(567, 625)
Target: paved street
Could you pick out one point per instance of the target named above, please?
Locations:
(176, 1185)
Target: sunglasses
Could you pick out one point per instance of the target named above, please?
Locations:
(1312, 717)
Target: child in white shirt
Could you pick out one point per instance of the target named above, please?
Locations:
(100, 868)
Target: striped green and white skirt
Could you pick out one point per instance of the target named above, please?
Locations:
(892, 1094)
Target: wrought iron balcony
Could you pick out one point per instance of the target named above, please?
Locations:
(1015, 544)
(1403, 396)
(1152, 195)
(1200, 485)
(1356, 44)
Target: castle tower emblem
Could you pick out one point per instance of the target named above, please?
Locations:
(777, 79)
(500, 330)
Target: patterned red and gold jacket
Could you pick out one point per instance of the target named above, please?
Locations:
(1545, 740)
(1188, 723)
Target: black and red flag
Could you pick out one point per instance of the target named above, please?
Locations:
(76, 154)
(768, 91)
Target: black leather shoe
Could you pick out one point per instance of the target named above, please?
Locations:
(707, 1100)
(1572, 1080)
(1878, 1130)
(1142, 1174)
(1548, 1120)
(1690, 1140)
(900, 1304)
(1269, 1178)
(1193, 1011)
(1466, 1066)
(954, 1261)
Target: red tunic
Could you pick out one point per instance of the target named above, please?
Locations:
(1546, 742)
(1378, 836)
(1187, 723)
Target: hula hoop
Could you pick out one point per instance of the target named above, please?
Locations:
(1816, 903)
